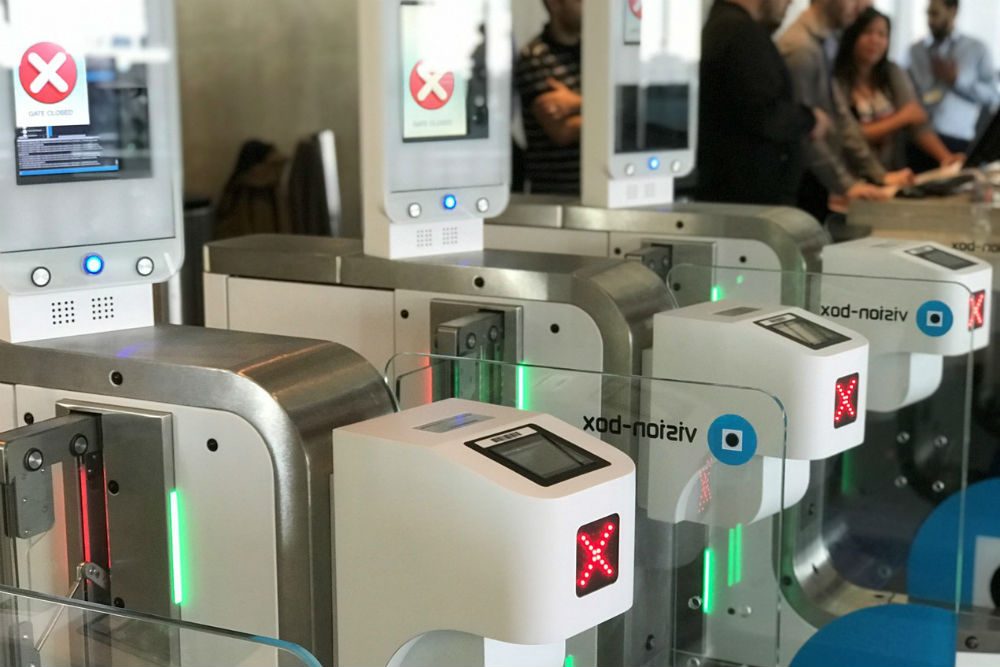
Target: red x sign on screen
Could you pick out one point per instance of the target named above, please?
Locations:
(431, 88)
(597, 555)
(977, 311)
(846, 408)
(47, 73)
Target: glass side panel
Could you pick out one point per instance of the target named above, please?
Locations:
(710, 473)
(885, 523)
(43, 631)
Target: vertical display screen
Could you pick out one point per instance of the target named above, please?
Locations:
(633, 21)
(653, 118)
(79, 118)
(597, 547)
(444, 79)
(846, 404)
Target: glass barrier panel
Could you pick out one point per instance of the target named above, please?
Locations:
(710, 476)
(42, 631)
(885, 523)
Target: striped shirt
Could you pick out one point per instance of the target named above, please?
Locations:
(548, 168)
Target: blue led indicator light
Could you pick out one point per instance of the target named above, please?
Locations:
(449, 202)
(654, 163)
(93, 264)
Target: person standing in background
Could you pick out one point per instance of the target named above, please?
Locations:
(751, 127)
(843, 167)
(954, 76)
(548, 78)
(882, 96)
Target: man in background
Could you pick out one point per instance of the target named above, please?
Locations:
(954, 76)
(548, 79)
(842, 167)
(751, 128)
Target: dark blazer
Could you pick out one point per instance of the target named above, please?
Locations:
(751, 126)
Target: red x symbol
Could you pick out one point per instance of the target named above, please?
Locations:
(846, 407)
(431, 88)
(977, 311)
(597, 555)
(48, 73)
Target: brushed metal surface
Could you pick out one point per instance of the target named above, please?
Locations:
(281, 257)
(795, 236)
(293, 391)
(954, 214)
(621, 297)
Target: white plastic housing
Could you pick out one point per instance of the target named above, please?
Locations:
(725, 343)
(636, 43)
(912, 283)
(934, 303)
(432, 535)
(59, 315)
(406, 181)
(702, 343)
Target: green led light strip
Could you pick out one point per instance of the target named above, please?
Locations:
(570, 661)
(521, 390)
(738, 553)
(176, 569)
(731, 559)
(708, 583)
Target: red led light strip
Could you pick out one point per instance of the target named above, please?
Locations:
(596, 555)
(977, 311)
(845, 401)
(85, 510)
(705, 479)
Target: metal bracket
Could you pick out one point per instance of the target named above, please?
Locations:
(27, 455)
(662, 258)
(95, 574)
(485, 332)
(657, 258)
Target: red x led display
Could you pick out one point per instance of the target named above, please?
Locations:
(597, 555)
(977, 311)
(845, 409)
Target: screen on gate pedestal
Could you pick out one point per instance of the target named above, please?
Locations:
(444, 79)
(79, 117)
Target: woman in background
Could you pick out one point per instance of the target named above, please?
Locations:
(882, 97)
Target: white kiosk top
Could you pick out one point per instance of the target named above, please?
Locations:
(518, 528)
(435, 123)
(640, 66)
(90, 177)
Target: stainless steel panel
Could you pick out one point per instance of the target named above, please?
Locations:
(795, 236)
(621, 297)
(281, 257)
(932, 215)
(293, 391)
(535, 211)
(137, 447)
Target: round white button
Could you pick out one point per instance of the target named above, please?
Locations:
(415, 211)
(676, 166)
(483, 205)
(630, 170)
(41, 276)
(145, 266)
